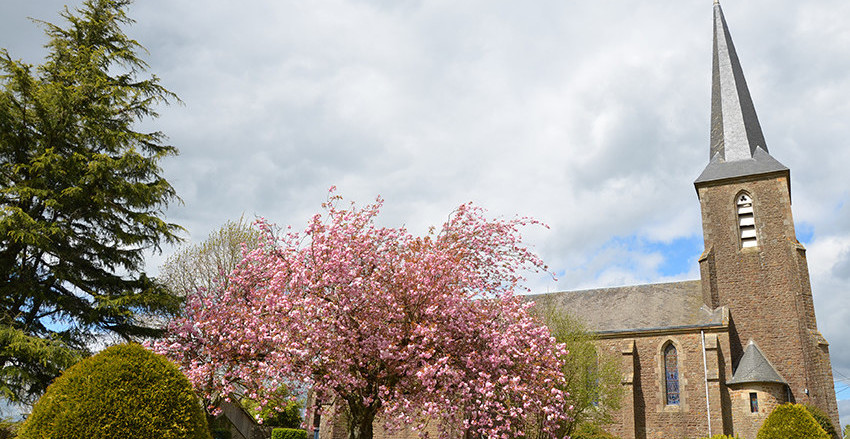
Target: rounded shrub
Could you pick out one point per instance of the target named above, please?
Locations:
(822, 420)
(124, 391)
(289, 433)
(791, 421)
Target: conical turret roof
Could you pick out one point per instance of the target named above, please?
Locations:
(737, 147)
(755, 368)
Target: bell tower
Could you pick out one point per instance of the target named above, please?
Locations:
(752, 262)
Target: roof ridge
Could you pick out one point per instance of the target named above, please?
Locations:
(621, 286)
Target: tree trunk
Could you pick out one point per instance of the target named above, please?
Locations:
(360, 420)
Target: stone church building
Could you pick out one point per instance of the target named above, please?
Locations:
(716, 355)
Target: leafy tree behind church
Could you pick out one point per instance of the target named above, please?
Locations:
(81, 197)
(592, 376)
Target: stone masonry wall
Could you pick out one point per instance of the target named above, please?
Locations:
(644, 413)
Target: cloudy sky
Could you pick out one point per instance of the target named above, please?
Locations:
(591, 116)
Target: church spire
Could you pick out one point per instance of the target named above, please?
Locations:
(737, 146)
(735, 129)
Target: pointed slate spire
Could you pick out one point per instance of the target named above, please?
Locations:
(737, 147)
(735, 129)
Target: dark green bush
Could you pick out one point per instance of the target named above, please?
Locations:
(591, 431)
(125, 391)
(791, 421)
(822, 420)
(289, 433)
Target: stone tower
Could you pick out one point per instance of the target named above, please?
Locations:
(753, 263)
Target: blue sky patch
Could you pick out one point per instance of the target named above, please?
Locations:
(679, 255)
(805, 232)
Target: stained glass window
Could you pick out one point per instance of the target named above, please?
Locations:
(754, 402)
(671, 375)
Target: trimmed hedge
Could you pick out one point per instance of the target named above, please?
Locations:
(125, 391)
(289, 433)
(791, 421)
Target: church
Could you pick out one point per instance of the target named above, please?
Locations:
(716, 355)
(713, 355)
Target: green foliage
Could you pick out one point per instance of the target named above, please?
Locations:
(125, 391)
(846, 432)
(822, 420)
(221, 433)
(81, 198)
(289, 433)
(279, 412)
(593, 379)
(591, 431)
(280, 409)
(791, 421)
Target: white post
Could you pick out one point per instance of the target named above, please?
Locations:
(705, 372)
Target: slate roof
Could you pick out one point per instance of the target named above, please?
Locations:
(755, 368)
(737, 147)
(637, 307)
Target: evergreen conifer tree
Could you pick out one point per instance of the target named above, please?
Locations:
(81, 197)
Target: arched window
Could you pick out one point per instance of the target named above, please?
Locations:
(746, 221)
(671, 374)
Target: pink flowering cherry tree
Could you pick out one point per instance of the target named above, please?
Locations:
(406, 329)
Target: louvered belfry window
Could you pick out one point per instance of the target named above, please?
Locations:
(746, 221)
(671, 374)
